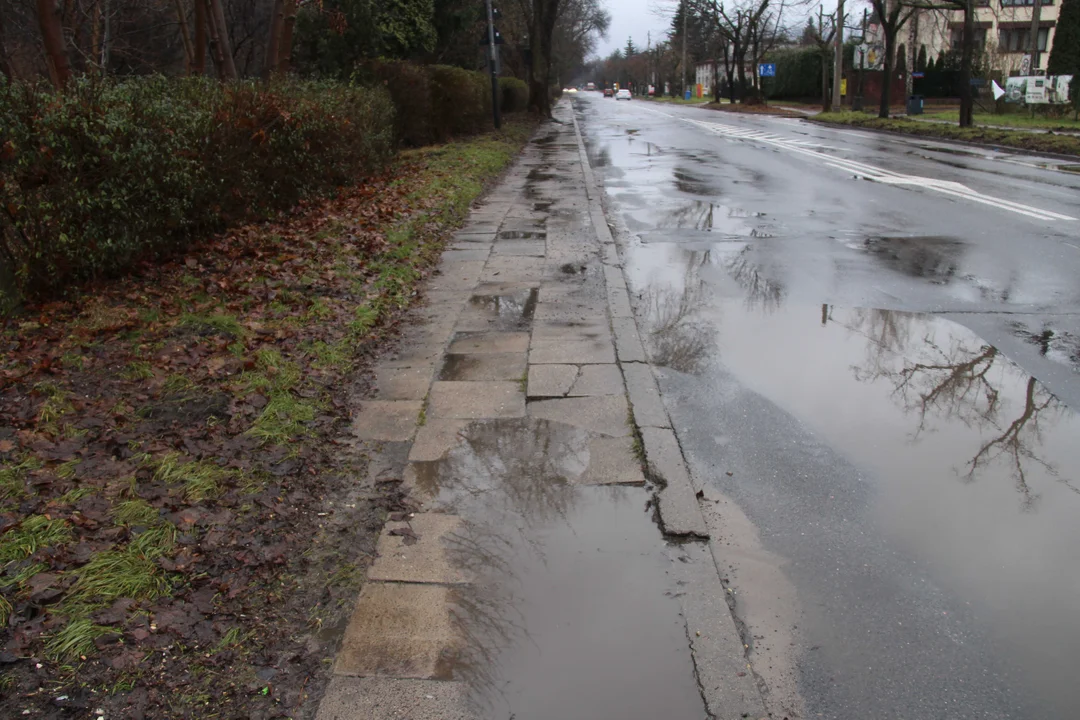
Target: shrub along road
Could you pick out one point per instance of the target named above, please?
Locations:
(170, 444)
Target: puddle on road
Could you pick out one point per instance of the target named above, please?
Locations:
(1060, 346)
(574, 613)
(973, 463)
(936, 259)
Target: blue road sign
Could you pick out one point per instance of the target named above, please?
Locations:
(766, 70)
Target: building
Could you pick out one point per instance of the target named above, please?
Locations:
(703, 77)
(1002, 29)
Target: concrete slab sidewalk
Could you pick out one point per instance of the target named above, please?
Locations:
(533, 580)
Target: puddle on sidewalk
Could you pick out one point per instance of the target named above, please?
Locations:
(574, 612)
(507, 312)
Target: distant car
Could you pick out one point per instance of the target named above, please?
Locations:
(608, 92)
(623, 94)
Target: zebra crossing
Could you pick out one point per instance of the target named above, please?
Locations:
(739, 133)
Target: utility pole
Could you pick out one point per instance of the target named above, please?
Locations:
(838, 61)
(1036, 12)
(685, 12)
(857, 103)
(496, 112)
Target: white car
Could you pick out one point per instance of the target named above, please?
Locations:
(623, 94)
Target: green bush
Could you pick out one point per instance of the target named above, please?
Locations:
(460, 101)
(798, 74)
(514, 95)
(108, 173)
(409, 86)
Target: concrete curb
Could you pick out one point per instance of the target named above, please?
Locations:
(933, 138)
(728, 684)
(680, 514)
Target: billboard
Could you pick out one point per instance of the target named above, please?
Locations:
(1038, 90)
(869, 56)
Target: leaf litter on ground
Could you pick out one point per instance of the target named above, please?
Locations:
(174, 453)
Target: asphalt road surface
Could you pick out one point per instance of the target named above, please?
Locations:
(871, 353)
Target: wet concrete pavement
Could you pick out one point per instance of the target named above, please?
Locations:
(870, 356)
(556, 563)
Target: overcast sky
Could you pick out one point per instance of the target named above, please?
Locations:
(635, 18)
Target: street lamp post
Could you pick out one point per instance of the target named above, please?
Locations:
(496, 113)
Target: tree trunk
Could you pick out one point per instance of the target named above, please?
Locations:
(181, 20)
(545, 13)
(274, 41)
(52, 35)
(966, 99)
(198, 57)
(826, 98)
(288, 22)
(220, 28)
(5, 63)
(95, 37)
(886, 81)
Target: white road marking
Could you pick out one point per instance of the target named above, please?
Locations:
(870, 172)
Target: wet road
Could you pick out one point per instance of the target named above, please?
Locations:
(871, 352)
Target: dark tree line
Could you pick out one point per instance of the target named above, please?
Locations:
(232, 39)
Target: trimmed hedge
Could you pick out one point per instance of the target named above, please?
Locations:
(514, 95)
(437, 102)
(798, 74)
(106, 174)
(460, 101)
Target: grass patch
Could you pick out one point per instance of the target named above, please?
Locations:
(135, 512)
(1035, 142)
(33, 533)
(13, 478)
(115, 574)
(56, 405)
(73, 496)
(283, 419)
(201, 479)
(75, 640)
(66, 470)
(678, 100)
(22, 574)
(139, 370)
(213, 324)
(1013, 120)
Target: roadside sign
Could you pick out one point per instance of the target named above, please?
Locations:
(1025, 65)
(843, 86)
(767, 70)
(918, 74)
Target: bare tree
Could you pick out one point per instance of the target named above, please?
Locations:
(52, 34)
(5, 61)
(544, 14)
(822, 36)
(967, 45)
(219, 32)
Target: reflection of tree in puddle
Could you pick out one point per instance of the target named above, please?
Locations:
(762, 292)
(966, 382)
(678, 338)
(508, 479)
